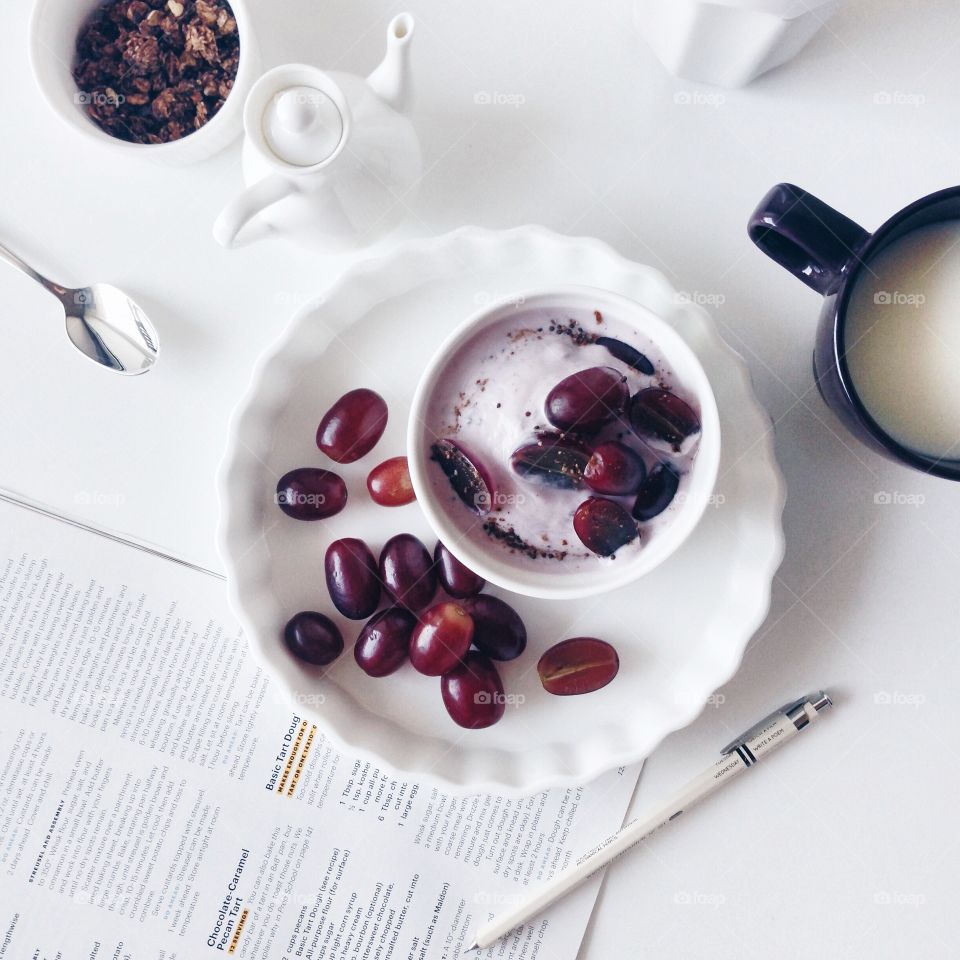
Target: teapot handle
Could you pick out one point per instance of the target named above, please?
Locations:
(243, 208)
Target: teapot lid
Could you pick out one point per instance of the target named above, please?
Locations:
(302, 125)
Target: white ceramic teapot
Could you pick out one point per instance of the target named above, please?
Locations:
(329, 159)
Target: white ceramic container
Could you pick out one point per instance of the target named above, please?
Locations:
(488, 558)
(54, 28)
(728, 42)
(331, 160)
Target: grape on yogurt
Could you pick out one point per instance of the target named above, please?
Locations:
(614, 469)
(603, 526)
(469, 479)
(553, 460)
(657, 492)
(662, 418)
(587, 400)
(627, 354)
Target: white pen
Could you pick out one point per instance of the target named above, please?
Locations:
(744, 752)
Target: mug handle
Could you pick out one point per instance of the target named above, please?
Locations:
(806, 236)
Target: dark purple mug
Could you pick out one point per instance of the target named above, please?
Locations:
(827, 251)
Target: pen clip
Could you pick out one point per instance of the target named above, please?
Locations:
(799, 711)
(786, 709)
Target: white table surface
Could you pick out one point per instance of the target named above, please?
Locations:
(845, 843)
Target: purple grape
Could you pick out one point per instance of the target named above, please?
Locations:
(627, 354)
(384, 641)
(308, 493)
(459, 581)
(352, 578)
(614, 469)
(586, 401)
(656, 492)
(604, 526)
(473, 692)
(553, 460)
(351, 428)
(441, 639)
(313, 637)
(498, 630)
(407, 573)
(659, 415)
(468, 478)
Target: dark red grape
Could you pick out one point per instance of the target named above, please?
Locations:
(389, 483)
(384, 641)
(627, 354)
(587, 400)
(352, 578)
(579, 665)
(551, 459)
(656, 492)
(473, 692)
(660, 415)
(441, 639)
(308, 493)
(614, 469)
(406, 570)
(351, 428)
(498, 630)
(459, 581)
(313, 637)
(604, 526)
(468, 477)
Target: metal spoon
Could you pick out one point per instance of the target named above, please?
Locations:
(103, 323)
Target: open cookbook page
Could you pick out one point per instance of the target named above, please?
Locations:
(160, 799)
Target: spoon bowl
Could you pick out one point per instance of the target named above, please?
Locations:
(103, 323)
(107, 326)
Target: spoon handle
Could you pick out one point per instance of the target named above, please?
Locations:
(15, 261)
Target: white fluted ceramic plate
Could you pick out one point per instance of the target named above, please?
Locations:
(681, 631)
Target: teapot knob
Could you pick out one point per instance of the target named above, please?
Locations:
(295, 113)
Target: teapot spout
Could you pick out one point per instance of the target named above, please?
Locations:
(391, 79)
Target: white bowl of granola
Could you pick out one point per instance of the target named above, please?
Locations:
(160, 79)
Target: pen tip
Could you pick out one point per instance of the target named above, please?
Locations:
(473, 947)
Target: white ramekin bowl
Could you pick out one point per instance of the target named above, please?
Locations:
(492, 562)
(54, 28)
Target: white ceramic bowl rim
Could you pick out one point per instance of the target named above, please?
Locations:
(54, 77)
(494, 564)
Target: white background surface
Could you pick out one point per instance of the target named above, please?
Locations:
(846, 841)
